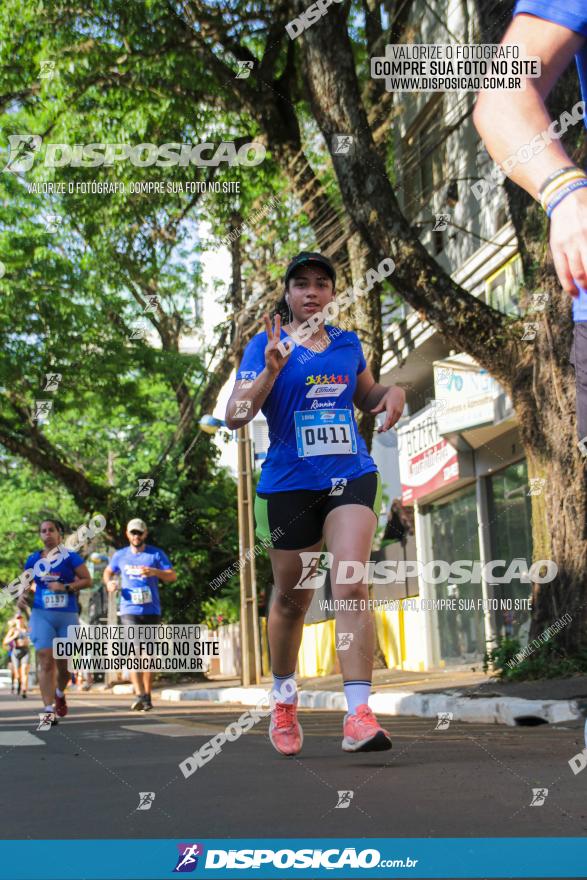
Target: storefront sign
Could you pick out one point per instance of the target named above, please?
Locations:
(426, 460)
(465, 394)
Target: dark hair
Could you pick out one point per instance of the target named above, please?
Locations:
(282, 309)
(56, 522)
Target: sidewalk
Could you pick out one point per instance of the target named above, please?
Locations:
(469, 695)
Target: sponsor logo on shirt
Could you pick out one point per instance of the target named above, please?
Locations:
(322, 404)
(326, 390)
(133, 571)
(324, 379)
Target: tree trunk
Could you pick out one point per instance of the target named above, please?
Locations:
(536, 374)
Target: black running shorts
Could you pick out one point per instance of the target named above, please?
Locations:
(294, 520)
(139, 619)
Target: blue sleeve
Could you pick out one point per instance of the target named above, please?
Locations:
(164, 563)
(30, 561)
(571, 14)
(253, 361)
(113, 564)
(76, 559)
(362, 362)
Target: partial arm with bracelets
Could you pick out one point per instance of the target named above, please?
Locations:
(509, 120)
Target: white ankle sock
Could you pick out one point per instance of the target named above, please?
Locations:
(284, 688)
(59, 692)
(356, 693)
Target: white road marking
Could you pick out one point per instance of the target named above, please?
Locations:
(19, 738)
(172, 729)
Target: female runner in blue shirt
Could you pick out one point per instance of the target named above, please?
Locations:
(318, 485)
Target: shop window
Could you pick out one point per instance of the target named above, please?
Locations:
(502, 289)
(423, 157)
(455, 536)
(510, 515)
(197, 308)
(438, 241)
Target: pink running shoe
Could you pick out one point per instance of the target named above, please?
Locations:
(362, 732)
(285, 731)
(60, 706)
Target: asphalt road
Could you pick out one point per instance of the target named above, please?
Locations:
(82, 779)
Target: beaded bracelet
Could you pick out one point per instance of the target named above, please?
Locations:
(563, 180)
(563, 193)
(554, 176)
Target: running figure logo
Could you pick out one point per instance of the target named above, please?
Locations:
(242, 409)
(244, 69)
(152, 303)
(338, 484)
(441, 222)
(536, 485)
(146, 799)
(247, 377)
(344, 800)
(314, 570)
(145, 486)
(52, 381)
(539, 301)
(45, 720)
(342, 144)
(42, 410)
(444, 719)
(343, 641)
(52, 223)
(21, 152)
(539, 795)
(139, 331)
(187, 860)
(47, 70)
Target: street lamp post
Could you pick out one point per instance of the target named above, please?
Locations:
(250, 643)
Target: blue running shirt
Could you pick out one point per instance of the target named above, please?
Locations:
(64, 572)
(571, 14)
(313, 433)
(139, 593)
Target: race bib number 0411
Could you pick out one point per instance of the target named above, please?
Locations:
(325, 432)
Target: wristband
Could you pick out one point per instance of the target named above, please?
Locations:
(566, 191)
(554, 176)
(548, 191)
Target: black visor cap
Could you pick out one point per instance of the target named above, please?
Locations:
(310, 258)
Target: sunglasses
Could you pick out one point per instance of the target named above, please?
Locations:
(135, 532)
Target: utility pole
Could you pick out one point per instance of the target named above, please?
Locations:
(250, 647)
(110, 677)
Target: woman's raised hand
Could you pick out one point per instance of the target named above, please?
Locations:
(275, 361)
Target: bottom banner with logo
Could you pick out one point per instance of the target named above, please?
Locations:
(305, 858)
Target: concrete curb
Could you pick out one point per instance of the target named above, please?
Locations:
(491, 710)
(123, 689)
